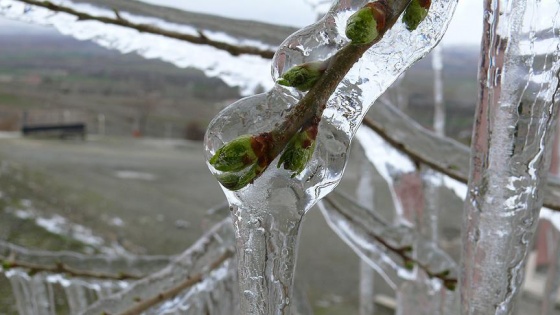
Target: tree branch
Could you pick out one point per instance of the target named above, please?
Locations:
(310, 107)
(201, 39)
(194, 260)
(95, 264)
(62, 268)
(444, 155)
(403, 252)
(172, 292)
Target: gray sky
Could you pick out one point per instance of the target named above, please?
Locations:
(465, 28)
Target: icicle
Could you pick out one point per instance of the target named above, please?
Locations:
(42, 295)
(439, 106)
(76, 296)
(365, 194)
(367, 289)
(22, 292)
(511, 147)
(550, 293)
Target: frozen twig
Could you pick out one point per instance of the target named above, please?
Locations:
(32, 268)
(442, 154)
(144, 305)
(96, 264)
(404, 252)
(264, 148)
(194, 260)
(201, 39)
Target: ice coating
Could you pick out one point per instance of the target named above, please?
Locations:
(195, 259)
(41, 293)
(389, 162)
(552, 284)
(363, 231)
(370, 76)
(416, 292)
(515, 120)
(365, 195)
(246, 72)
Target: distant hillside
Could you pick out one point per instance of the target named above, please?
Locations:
(54, 77)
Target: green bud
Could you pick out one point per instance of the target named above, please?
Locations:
(415, 13)
(6, 265)
(366, 25)
(234, 155)
(450, 284)
(407, 248)
(361, 27)
(299, 150)
(303, 77)
(235, 182)
(409, 264)
(443, 274)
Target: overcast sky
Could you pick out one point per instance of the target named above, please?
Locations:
(465, 28)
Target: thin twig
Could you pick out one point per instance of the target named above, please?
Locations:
(314, 102)
(8, 263)
(402, 252)
(201, 39)
(143, 305)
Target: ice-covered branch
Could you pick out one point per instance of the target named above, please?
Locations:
(200, 39)
(516, 116)
(387, 247)
(194, 260)
(79, 263)
(351, 216)
(342, 63)
(63, 269)
(248, 72)
(320, 79)
(144, 305)
(443, 154)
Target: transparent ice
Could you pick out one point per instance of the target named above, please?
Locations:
(366, 198)
(515, 121)
(194, 260)
(40, 293)
(267, 214)
(363, 228)
(43, 292)
(552, 284)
